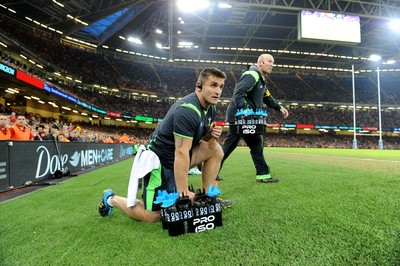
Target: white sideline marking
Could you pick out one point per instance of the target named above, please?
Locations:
(337, 157)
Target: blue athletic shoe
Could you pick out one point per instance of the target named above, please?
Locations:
(104, 208)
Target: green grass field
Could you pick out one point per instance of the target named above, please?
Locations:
(331, 207)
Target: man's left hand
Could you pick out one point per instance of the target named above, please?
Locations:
(214, 133)
(284, 112)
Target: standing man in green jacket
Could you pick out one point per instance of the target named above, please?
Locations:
(251, 92)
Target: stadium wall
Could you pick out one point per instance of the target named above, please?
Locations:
(34, 161)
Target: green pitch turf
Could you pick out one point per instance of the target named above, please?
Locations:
(331, 207)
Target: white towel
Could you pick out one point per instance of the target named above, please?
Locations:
(145, 161)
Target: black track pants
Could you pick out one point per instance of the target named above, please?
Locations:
(254, 142)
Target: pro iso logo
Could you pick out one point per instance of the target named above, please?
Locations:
(249, 129)
(204, 223)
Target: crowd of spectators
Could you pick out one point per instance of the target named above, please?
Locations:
(50, 129)
(336, 116)
(332, 141)
(170, 81)
(166, 81)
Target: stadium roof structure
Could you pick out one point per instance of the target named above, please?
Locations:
(235, 35)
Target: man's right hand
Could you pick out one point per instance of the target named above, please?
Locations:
(191, 196)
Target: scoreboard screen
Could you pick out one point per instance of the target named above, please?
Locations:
(317, 26)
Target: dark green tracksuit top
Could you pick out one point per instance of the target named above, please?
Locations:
(186, 118)
(251, 92)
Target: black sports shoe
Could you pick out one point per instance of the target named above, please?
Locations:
(268, 180)
(224, 203)
(218, 178)
(104, 208)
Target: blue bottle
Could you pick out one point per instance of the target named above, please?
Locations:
(250, 117)
(239, 117)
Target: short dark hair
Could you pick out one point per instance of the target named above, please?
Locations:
(211, 71)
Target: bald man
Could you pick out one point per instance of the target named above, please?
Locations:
(251, 92)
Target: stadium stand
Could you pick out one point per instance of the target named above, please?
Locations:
(306, 89)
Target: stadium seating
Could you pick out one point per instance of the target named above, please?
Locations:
(165, 81)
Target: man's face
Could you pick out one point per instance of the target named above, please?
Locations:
(21, 120)
(3, 120)
(211, 91)
(266, 64)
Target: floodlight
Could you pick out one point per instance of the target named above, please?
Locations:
(224, 5)
(375, 57)
(135, 40)
(190, 5)
(395, 24)
(186, 43)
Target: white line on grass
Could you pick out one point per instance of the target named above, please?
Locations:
(337, 157)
